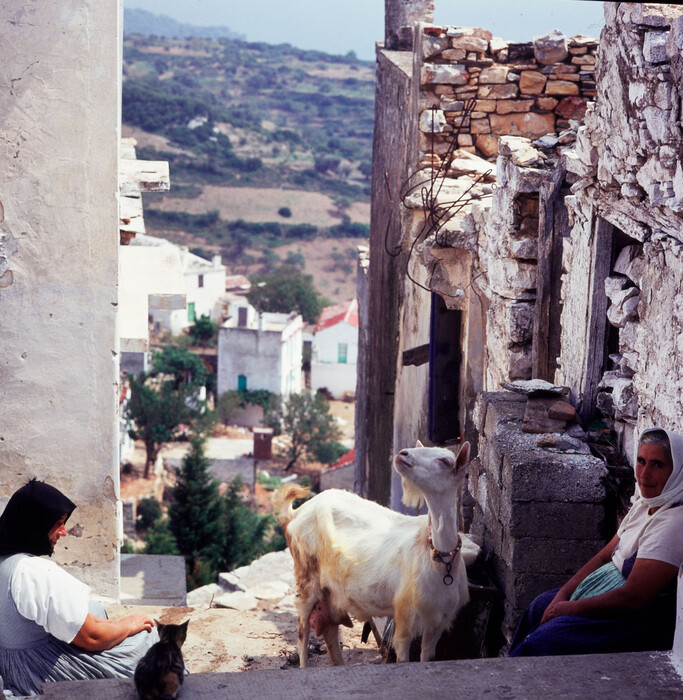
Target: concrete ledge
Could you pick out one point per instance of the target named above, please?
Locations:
(152, 579)
(643, 675)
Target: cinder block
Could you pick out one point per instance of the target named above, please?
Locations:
(521, 589)
(493, 498)
(539, 475)
(503, 409)
(579, 521)
(546, 556)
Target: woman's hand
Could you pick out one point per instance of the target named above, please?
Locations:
(558, 608)
(138, 623)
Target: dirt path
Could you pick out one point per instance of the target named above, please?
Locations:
(224, 640)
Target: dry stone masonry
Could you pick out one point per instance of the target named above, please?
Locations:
(529, 89)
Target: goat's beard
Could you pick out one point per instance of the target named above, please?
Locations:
(412, 496)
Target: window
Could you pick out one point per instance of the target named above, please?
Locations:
(242, 316)
(200, 281)
(191, 316)
(241, 382)
(342, 351)
(443, 422)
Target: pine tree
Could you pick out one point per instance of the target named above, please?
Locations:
(197, 517)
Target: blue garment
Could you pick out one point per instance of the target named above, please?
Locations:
(651, 629)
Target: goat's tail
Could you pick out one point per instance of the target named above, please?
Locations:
(283, 501)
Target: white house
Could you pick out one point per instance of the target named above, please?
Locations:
(204, 283)
(260, 351)
(335, 349)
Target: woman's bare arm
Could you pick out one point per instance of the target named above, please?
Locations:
(98, 634)
(600, 559)
(647, 580)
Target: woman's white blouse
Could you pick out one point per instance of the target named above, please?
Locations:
(48, 595)
(658, 536)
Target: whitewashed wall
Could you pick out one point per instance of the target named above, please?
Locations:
(59, 133)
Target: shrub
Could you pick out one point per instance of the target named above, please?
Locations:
(148, 511)
(285, 212)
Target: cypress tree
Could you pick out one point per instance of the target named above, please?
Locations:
(197, 517)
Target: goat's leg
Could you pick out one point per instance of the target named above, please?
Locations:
(304, 635)
(430, 639)
(331, 637)
(304, 627)
(401, 641)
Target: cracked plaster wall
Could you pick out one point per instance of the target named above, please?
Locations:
(59, 134)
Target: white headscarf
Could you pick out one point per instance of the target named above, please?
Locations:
(673, 489)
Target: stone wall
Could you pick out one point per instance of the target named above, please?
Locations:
(623, 258)
(528, 89)
(541, 508)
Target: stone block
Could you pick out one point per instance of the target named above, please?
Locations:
(485, 105)
(509, 106)
(497, 44)
(581, 61)
(508, 91)
(494, 75)
(504, 409)
(550, 48)
(487, 144)
(582, 521)
(434, 45)
(465, 140)
(561, 87)
(654, 46)
(572, 108)
(433, 121)
(451, 74)
(521, 589)
(529, 125)
(532, 82)
(454, 54)
(480, 126)
(470, 43)
(452, 105)
(572, 77)
(533, 474)
(546, 103)
(548, 556)
(525, 249)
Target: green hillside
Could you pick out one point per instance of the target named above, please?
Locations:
(231, 116)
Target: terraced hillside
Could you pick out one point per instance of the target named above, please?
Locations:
(269, 150)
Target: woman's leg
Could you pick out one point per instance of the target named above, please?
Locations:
(531, 619)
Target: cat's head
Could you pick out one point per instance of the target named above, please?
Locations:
(172, 633)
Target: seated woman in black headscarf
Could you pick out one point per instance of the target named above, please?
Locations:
(50, 630)
(624, 598)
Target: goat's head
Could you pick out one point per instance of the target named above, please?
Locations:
(427, 470)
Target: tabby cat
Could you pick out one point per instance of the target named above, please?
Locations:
(159, 673)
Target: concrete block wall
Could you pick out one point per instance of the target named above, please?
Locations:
(539, 512)
(521, 89)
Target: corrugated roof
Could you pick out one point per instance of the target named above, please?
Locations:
(332, 315)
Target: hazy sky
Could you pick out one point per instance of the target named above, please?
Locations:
(340, 26)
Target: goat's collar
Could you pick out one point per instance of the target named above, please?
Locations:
(445, 556)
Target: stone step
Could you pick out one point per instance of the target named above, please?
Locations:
(634, 675)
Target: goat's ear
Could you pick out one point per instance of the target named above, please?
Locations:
(419, 444)
(463, 456)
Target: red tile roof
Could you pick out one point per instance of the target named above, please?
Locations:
(332, 315)
(349, 457)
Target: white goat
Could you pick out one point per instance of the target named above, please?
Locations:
(353, 556)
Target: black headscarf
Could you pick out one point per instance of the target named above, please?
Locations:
(31, 513)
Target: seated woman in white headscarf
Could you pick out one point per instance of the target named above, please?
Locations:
(624, 598)
(50, 630)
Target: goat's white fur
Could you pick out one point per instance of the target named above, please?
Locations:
(368, 561)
